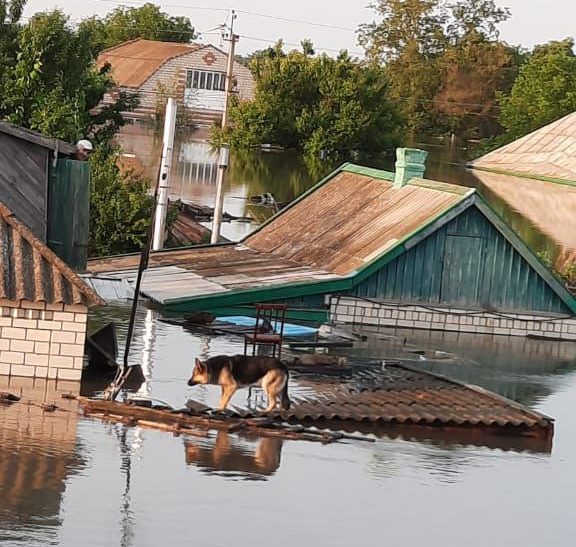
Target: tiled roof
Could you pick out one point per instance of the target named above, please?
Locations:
(135, 61)
(548, 152)
(30, 271)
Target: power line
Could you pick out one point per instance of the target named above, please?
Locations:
(299, 21)
(245, 12)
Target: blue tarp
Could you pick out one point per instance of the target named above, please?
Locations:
(290, 329)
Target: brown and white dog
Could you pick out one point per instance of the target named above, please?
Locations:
(232, 372)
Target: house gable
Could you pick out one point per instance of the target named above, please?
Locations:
(468, 262)
(172, 74)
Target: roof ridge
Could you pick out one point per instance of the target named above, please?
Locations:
(121, 44)
(524, 175)
(49, 255)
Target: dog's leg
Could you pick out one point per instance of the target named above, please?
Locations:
(227, 392)
(272, 384)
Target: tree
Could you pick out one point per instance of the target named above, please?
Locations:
(52, 84)
(147, 21)
(544, 91)
(429, 48)
(472, 73)
(120, 206)
(10, 15)
(407, 40)
(315, 103)
(49, 83)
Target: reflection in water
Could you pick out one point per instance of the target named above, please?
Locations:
(521, 369)
(38, 454)
(232, 457)
(127, 519)
(288, 175)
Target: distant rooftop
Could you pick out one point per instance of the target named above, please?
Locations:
(135, 61)
(548, 152)
(536, 177)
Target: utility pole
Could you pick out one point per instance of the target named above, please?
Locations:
(224, 155)
(232, 39)
(164, 179)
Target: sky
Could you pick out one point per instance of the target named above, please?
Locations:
(333, 24)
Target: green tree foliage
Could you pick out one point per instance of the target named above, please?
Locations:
(52, 84)
(443, 60)
(120, 206)
(49, 83)
(544, 91)
(315, 103)
(407, 40)
(147, 21)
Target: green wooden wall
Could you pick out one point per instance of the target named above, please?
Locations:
(466, 263)
(69, 211)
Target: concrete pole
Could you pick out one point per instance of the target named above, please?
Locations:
(224, 156)
(229, 71)
(164, 181)
(223, 160)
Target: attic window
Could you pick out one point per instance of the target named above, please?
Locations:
(206, 80)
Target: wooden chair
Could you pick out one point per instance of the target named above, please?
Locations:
(268, 329)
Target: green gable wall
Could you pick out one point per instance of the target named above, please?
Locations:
(465, 263)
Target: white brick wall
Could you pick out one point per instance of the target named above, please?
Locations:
(42, 340)
(362, 312)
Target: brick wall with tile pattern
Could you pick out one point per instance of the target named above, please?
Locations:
(363, 312)
(39, 340)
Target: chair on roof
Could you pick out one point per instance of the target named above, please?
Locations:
(268, 329)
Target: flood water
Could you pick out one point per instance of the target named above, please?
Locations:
(287, 175)
(72, 481)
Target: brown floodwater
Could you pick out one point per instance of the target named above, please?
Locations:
(70, 481)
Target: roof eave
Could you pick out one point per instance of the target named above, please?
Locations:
(36, 138)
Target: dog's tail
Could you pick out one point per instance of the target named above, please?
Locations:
(284, 399)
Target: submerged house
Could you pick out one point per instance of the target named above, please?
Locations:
(534, 181)
(43, 307)
(194, 73)
(377, 248)
(47, 189)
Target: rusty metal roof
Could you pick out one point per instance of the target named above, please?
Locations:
(405, 395)
(354, 218)
(30, 271)
(135, 61)
(547, 152)
(330, 233)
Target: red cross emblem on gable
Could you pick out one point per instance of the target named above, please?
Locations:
(209, 58)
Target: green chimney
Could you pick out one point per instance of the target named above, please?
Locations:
(410, 163)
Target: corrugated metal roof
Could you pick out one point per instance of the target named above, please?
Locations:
(135, 61)
(406, 395)
(547, 152)
(30, 271)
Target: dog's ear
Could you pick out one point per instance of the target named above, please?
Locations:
(200, 366)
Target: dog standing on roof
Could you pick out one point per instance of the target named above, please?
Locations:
(232, 372)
